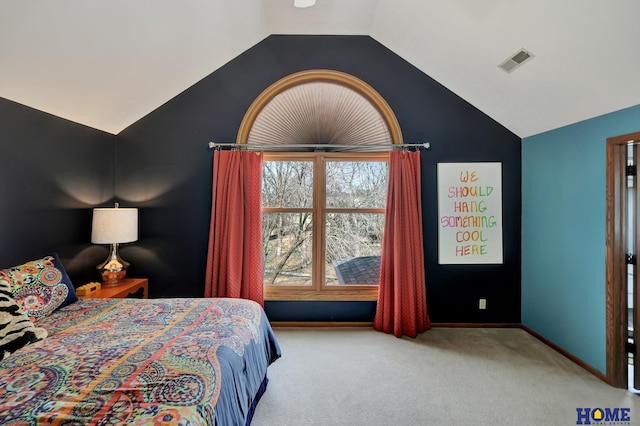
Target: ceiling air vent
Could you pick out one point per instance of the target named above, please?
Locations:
(515, 60)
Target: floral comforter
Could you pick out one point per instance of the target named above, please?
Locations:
(142, 362)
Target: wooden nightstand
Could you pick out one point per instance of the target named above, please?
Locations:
(129, 288)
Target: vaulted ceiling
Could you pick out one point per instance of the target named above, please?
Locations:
(106, 64)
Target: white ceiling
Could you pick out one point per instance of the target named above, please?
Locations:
(106, 64)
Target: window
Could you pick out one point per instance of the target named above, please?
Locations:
(323, 217)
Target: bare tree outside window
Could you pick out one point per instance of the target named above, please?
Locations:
(287, 236)
(354, 239)
(356, 184)
(287, 184)
(347, 218)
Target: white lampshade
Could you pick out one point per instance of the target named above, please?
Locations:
(114, 225)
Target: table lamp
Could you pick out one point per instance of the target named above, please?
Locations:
(114, 226)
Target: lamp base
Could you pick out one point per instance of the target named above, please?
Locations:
(114, 269)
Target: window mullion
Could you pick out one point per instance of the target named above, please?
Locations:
(319, 221)
(353, 210)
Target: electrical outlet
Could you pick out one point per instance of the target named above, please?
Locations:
(482, 304)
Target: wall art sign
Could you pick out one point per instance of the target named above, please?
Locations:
(470, 213)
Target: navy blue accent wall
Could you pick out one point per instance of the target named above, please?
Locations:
(164, 167)
(52, 172)
(344, 311)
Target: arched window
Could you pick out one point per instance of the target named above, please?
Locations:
(323, 211)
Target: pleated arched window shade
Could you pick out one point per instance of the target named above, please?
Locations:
(320, 107)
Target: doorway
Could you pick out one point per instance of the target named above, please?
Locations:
(622, 273)
(633, 160)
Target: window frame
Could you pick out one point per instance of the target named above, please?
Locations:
(319, 290)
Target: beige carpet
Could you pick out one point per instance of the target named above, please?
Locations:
(446, 376)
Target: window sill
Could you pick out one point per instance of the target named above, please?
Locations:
(337, 294)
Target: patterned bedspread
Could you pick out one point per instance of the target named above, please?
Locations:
(141, 362)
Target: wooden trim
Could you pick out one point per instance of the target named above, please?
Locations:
(320, 324)
(333, 156)
(474, 325)
(319, 223)
(370, 324)
(287, 209)
(317, 291)
(316, 75)
(615, 274)
(340, 210)
(635, 250)
(566, 354)
(291, 293)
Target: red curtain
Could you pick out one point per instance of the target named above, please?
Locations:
(402, 300)
(234, 259)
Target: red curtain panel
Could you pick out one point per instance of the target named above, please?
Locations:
(402, 301)
(234, 259)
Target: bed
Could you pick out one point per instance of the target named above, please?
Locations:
(139, 362)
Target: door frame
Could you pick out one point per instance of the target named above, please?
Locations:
(615, 258)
